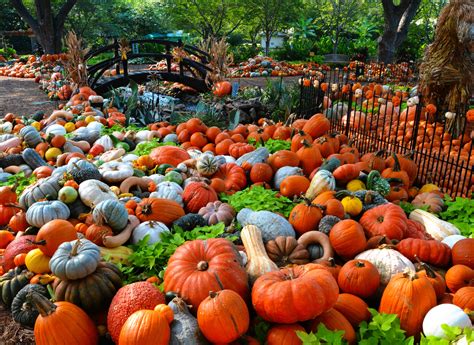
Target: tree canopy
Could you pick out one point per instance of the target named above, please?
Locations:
(375, 28)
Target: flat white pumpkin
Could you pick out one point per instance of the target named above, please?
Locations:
(449, 314)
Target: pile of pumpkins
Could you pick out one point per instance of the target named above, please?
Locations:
(33, 67)
(346, 244)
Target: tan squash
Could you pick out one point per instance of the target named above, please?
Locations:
(123, 236)
(258, 261)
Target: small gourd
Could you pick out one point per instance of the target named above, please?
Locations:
(12, 282)
(169, 190)
(258, 261)
(322, 181)
(352, 205)
(184, 328)
(190, 221)
(207, 165)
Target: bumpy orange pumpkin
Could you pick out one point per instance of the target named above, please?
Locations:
(169, 155)
(387, 219)
(274, 299)
(197, 195)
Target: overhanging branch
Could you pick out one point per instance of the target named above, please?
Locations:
(25, 14)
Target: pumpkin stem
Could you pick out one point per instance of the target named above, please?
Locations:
(360, 264)
(396, 166)
(75, 248)
(202, 265)
(379, 153)
(44, 306)
(213, 294)
(428, 269)
(410, 274)
(332, 262)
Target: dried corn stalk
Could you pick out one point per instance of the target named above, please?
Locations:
(75, 65)
(219, 60)
(124, 48)
(446, 72)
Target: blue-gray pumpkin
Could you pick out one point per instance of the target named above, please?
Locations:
(111, 212)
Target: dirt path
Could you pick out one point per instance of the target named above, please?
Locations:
(22, 97)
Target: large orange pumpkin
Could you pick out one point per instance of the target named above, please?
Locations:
(387, 219)
(463, 252)
(347, 238)
(284, 335)
(353, 308)
(410, 297)
(233, 176)
(359, 277)
(334, 320)
(317, 126)
(147, 327)
(53, 233)
(223, 316)
(169, 155)
(305, 217)
(198, 267)
(274, 298)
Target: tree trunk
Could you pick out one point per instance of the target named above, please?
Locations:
(47, 27)
(397, 20)
(268, 39)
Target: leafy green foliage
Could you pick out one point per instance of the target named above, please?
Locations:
(453, 334)
(382, 329)
(151, 260)
(259, 199)
(322, 336)
(460, 212)
(144, 148)
(20, 180)
(273, 145)
(260, 329)
(408, 207)
(118, 128)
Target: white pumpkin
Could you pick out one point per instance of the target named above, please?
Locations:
(55, 130)
(130, 157)
(115, 172)
(449, 314)
(157, 178)
(170, 138)
(169, 190)
(452, 240)
(388, 262)
(194, 153)
(106, 142)
(92, 192)
(95, 126)
(152, 228)
(228, 159)
(42, 212)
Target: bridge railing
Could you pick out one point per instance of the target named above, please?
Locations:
(195, 65)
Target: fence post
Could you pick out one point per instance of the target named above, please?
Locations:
(349, 110)
(416, 124)
(300, 110)
(116, 55)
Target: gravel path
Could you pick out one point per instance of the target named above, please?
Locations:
(23, 97)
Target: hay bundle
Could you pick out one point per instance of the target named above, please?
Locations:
(446, 72)
(75, 65)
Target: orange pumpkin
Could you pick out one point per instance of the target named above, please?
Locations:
(169, 155)
(52, 234)
(294, 185)
(334, 320)
(305, 217)
(284, 335)
(317, 126)
(161, 210)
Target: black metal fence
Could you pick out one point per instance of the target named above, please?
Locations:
(386, 117)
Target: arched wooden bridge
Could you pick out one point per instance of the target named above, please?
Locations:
(191, 72)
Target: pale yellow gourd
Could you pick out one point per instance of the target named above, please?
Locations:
(258, 261)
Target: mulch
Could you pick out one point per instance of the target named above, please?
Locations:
(11, 333)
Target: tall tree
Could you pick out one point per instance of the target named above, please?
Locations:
(208, 18)
(274, 15)
(397, 20)
(47, 26)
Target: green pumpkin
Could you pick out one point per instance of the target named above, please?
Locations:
(111, 212)
(12, 282)
(92, 293)
(23, 311)
(330, 164)
(174, 176)
(75, 260)
(190, 221)
(162, 168)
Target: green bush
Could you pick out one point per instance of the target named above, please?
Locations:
(7, 53)
(243, 52)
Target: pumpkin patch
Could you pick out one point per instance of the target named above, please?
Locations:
(186, 232)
